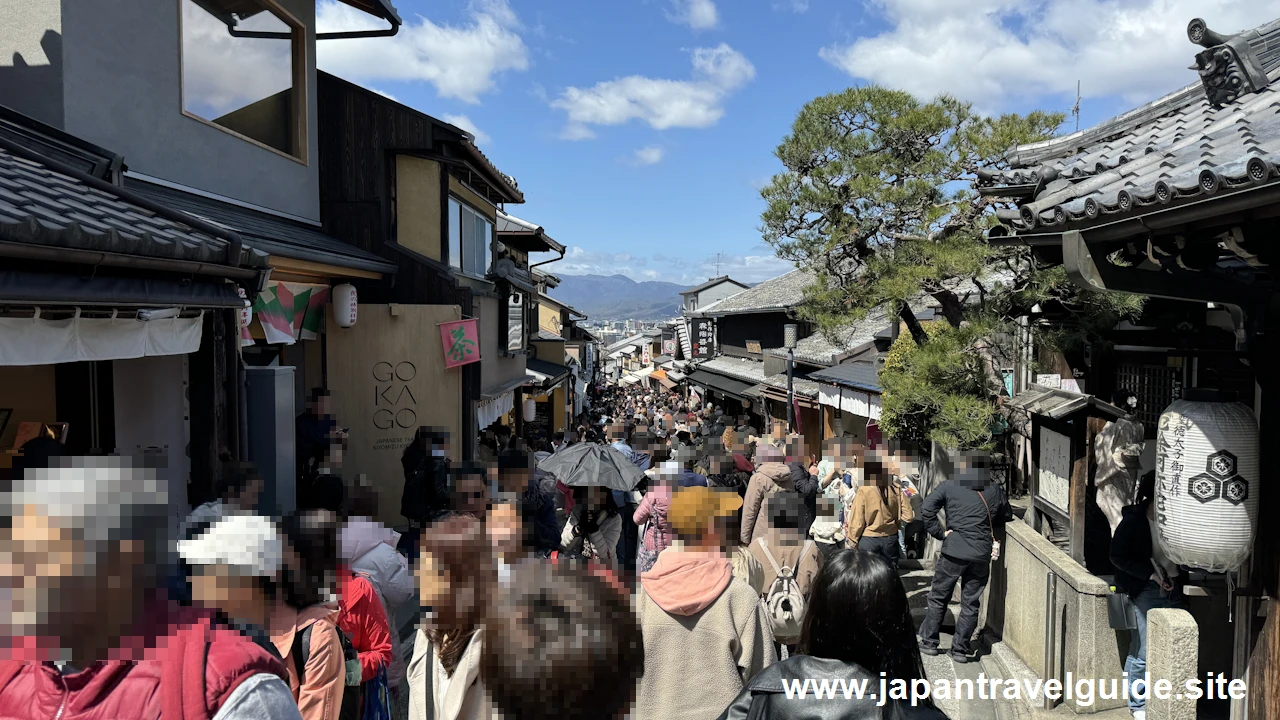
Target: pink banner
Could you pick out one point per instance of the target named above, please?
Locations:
(461, 341)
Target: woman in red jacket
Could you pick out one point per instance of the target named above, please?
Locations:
(362, 618)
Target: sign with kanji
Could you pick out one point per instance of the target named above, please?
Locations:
(669, 347)
(461, 341)
(703, 340)
(645, 357)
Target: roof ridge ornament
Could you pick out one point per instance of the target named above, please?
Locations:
(1230, 66)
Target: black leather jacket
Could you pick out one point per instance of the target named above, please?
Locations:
(765, 695)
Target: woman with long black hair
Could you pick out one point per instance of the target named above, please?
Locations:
(856, 626)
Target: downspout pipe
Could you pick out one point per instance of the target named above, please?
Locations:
(545, 262)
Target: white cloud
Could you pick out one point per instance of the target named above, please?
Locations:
(221, 73)
(651, 155)
(994, 52)
(461, 61)
(385, 94)
(757, 265)
(694, 103)
(796, 6)
(464, 122)
(697, 14)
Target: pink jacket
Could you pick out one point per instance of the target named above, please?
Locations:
(654, 509)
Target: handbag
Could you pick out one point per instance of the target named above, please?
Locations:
(995, 544)
(1121, 612)
(377, 697)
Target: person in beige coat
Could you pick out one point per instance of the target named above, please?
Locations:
(456, 574)
(771, 476)
(705, 632)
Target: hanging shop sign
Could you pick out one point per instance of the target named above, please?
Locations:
(669, 347)
(288, 312)
(461, 341)
(704, 342)
(344, 305)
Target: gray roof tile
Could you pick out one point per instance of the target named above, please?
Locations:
(41, 206)
(783, 292)
(1176, 149)
(753, 371)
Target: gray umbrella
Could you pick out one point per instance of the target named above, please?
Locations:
(592, 465)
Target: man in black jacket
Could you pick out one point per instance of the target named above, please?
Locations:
(976, 509)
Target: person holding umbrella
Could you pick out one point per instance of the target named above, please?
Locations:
(593, 527)
(594, 523)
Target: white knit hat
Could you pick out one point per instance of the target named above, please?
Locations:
(250, 544)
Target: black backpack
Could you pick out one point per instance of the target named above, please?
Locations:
(352, 707)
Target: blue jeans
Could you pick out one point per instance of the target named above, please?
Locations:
(1135, 664)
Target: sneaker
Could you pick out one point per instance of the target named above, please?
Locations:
(928, 650)
(960, 657)
(1139, 715)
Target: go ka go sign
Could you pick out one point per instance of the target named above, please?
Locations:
(461, 342)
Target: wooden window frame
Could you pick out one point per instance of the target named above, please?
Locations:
(493, 237)
(299, 59)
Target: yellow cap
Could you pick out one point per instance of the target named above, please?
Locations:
(693, 508)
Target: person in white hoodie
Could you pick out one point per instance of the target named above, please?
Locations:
(369, 547)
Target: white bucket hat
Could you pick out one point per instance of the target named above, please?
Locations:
(249, 544)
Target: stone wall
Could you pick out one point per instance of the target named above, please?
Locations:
(1084, 643)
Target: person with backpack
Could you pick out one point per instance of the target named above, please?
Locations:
(705, 632)
(857, 629)
(456, 577)
(790, 562)
(593, 527)
(91, 634)
(977, 510)
(878, 511)
(771, 476)
(304, 622)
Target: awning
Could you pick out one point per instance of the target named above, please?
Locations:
(544, 372)
(38, 341)
(860, 375)
(676, 375)
(644, 372)
(756, 391)
(720, 383)
(628, 350)
(503, 388)
(33, 288)
(666, 384)
(489, 412)
(628, 379)
(658, 374)
(857, 402)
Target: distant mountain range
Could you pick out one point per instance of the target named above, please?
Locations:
(618, 297)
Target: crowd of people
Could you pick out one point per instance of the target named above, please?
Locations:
(536, 596)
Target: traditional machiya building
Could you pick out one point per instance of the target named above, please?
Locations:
(417, 192)
(201, 118)
(1176, 200)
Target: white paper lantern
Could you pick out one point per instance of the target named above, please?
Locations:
(1207, 484)
(344, 305)
(530, 409)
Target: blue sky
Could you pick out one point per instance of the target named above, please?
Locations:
(641, 130)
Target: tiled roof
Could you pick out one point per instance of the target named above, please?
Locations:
(712, 283)
(1184, 147)
(753, 371)
(41, 206)
(613, 347)
(861, 375)
(781, 293)
(271, 234)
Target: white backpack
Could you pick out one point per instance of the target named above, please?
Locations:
(784, 601)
